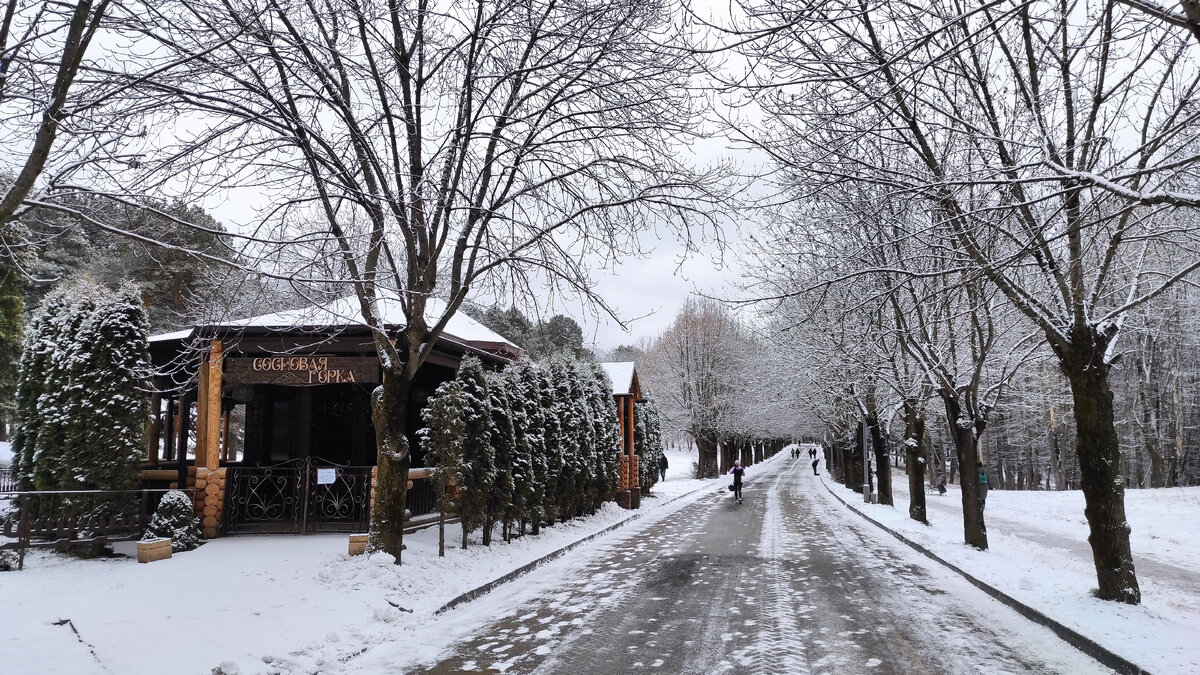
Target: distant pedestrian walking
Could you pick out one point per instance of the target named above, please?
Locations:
(738, 471)
(812, 453)
(815, 462)
(662, 467)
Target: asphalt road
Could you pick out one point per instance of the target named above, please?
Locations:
(787, 582)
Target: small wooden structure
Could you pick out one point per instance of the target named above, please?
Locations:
(627, 392)
(269, 417)
(150, 550)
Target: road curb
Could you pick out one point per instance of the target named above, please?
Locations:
(1068, 635)
(531, 566)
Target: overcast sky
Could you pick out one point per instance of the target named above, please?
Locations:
(646, 293)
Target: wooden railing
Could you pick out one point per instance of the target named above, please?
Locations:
(67, 520)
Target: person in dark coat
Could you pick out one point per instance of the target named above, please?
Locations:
(738, 471)
(662, 467)
(815, 462)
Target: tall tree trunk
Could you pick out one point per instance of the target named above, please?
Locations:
(1148, 396)
(833, 459)
(854, 461)
(706, 445)
(1173, 376)
(914, 440)
(883, 466)
(389, 406)
(932, 460)
(845, 462)
(1096, 447)
(1056, 456)
(963, 433)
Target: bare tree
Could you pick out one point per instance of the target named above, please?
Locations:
(1045, 138)
(42, 46)
(695, 367)
(413, 150)
(918, 323)
(1188, 19)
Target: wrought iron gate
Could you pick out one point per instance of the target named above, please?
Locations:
(299, 495)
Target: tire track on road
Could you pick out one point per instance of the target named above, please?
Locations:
(779, 645)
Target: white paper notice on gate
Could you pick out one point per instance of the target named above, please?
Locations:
(326, 476)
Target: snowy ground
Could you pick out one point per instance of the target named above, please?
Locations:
(262, 604)
(1038, 554)
(278, 604)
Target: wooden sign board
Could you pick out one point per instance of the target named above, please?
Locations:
(301, 371)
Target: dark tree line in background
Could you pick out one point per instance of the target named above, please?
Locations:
(539, 339)
(154, 254)
(169, 268)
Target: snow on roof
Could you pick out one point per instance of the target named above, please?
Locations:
(621, 375)
(345, 312)
(175, 335)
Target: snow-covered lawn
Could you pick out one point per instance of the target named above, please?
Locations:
(1038, 554)
(299, 604)
(268, 604)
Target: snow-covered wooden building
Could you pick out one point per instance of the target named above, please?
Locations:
(627, 392)
(269, 417)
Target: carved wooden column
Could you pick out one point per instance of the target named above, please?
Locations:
(210, 478)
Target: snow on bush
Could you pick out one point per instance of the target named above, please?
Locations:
(176, 518)
(81, 406)
(535, 444)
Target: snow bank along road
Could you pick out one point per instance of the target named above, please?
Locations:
(787, 582)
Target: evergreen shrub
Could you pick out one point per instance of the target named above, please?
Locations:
(176, 519)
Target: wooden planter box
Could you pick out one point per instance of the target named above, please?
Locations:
(358, 544)
(153, 549)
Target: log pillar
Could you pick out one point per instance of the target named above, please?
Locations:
(154, 429)
(634, 487)
(210, 478)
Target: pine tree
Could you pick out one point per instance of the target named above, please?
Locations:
(108, 409)
(82, 399)
(442, 438)
(581, 435)
(502, 495)
(479, 466)
(175, 518)
(568, 484)
(581, 395)
(534, 495)
(33, 380)
(608, 438)
(11, 312)
(647, 442)
(48, 461)
(552, 453)
(522, 469)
